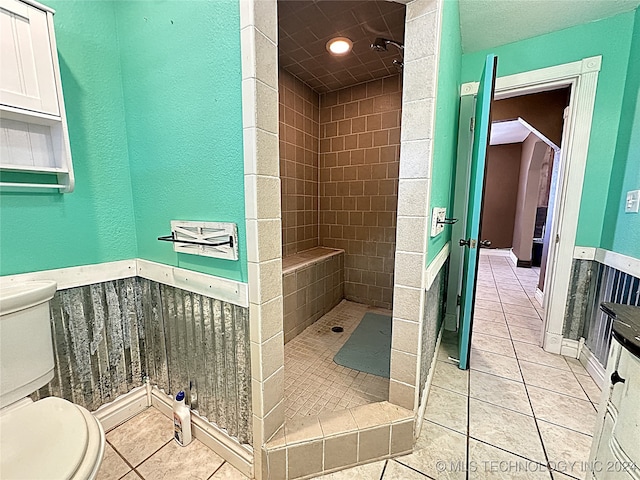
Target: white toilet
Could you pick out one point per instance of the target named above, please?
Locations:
(51, 438)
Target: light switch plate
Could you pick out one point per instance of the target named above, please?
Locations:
(438, 214)
(633, 201)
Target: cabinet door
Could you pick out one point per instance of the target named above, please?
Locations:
(627, 428)
(27, 80)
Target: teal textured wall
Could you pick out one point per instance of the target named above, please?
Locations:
(94, 224)
(622, 230)
(446, 127)
(181, 72)
(610, 38)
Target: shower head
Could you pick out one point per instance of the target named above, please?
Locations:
(380, 44)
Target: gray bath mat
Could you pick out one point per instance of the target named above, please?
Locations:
(369, 346)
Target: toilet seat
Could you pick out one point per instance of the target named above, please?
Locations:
(50, 439)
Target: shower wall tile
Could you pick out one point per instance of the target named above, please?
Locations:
(359, 168)
(299, 144)
(311, 291)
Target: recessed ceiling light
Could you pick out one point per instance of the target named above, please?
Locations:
(339, 46)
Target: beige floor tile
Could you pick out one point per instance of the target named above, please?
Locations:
(112, 467)
(519, 299)
(525, 335)
(448, 353)
(195, 461)
(522, 321)
(561, 476)
(488, 305)
(370, 471)
(436, 444)
(447, 408)
(495, 364)
(499, 391)
(228, 472)
(490, 463)
(139, 437)
(488, 315)
(559, 381)
(576, 366)
(521, 310)
(564, 447)
(314, 383)
(562, 410)
(132, 475)
(590, 387)
(397, 471)
(489, 343)
(449, 376)
(486, 327)
(535, 354)
(511, 431)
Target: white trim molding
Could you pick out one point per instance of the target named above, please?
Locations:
(513, 257)
(124, 407)
(240, 456)
(593, 366)
(436, 265)
(624, 263)
(584, 253)
(582, 76)
(219, 288)
(570, 348)
(71, 277)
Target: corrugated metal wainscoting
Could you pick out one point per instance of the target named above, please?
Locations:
(109, 336)
(433, 314)
(591, 284)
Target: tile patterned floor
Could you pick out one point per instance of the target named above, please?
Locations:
(518, 408)
(143, 448)
(314, 384)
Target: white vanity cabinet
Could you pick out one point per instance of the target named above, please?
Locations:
(34, 141)
(615, 451)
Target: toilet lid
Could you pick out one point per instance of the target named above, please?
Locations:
(46, 439)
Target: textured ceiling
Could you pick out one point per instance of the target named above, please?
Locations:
(306, 26)
(489, 23)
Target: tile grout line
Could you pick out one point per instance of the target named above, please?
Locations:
(216, 470)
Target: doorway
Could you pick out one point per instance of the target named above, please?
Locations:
(581, 78)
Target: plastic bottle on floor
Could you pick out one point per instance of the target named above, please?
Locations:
(181, 421)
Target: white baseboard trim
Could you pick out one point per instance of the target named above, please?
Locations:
(552, 343)
(450, 322)
(436, 265)
(570, 348)
(78, 276)
(123, 408)
(240, 456)
(593, 367)
(427, 387)
(539, 296)
(513, 258)
(495, 252)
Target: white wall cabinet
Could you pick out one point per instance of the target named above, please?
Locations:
(33, 129)
(615, 451)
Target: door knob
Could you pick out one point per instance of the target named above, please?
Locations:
(464, 242)
(485, 243)
(616, 378)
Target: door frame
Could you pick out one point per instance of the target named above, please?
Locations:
(582, 77)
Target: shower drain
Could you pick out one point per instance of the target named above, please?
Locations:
(337, 329)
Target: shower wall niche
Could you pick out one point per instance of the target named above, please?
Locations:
(339, 162)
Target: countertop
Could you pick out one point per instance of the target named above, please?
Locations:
(626, 325)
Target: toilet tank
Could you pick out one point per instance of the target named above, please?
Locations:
(26, 350)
